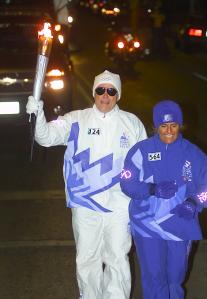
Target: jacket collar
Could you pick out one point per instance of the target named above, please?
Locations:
(169, 146)
(107, 115)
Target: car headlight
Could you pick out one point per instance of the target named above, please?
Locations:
(120, 45)
(116, 10)
(70, 19)
(136, 44)
(55, 73)
(57, 27)
(54, 80)
(61, 38)
(55, 84)
(9, 107)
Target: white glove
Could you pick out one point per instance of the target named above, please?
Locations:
(33, 106)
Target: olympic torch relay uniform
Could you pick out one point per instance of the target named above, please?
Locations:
(97, 145)
(152, 221)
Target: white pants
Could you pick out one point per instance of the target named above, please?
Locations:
(102, 238)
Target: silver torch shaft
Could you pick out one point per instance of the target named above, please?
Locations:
(44, 49)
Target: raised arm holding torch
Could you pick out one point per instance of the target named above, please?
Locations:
(44, 48)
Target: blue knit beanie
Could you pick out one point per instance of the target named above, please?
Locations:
(167, 111)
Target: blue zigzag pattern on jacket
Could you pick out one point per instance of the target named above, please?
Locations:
(84, 179)
(153, 211)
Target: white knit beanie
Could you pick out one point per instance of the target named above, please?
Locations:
(108, 77)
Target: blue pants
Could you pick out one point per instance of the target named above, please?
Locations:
(163, 266)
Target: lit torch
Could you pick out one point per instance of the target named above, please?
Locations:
(44, 48)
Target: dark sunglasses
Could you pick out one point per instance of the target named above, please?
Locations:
(101, 90)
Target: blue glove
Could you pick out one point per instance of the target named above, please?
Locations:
(186, 210)
(165, 189)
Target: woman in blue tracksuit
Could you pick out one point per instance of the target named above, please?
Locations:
(166, 178)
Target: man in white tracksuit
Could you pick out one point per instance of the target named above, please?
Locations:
(97, 140)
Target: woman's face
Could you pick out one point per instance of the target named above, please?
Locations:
(169, 132)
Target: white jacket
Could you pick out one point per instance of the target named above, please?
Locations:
(97, 146)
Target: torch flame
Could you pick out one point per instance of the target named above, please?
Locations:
(46, 31)
(45, 40)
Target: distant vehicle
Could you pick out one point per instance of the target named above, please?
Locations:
(192, 35)
(89, 4)
(94, 5)
(115, 8)
(124, 49)
(18, 56)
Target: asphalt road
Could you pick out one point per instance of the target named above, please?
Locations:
(37, 252)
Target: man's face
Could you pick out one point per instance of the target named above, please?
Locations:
(105, 102)
(169, 132)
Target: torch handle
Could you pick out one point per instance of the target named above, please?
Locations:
(32, 134)
(41, 69)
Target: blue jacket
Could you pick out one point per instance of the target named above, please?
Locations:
(152, 161)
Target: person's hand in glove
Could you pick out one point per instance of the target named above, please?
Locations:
(186, 210)
(164, 189)
(33, 106)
